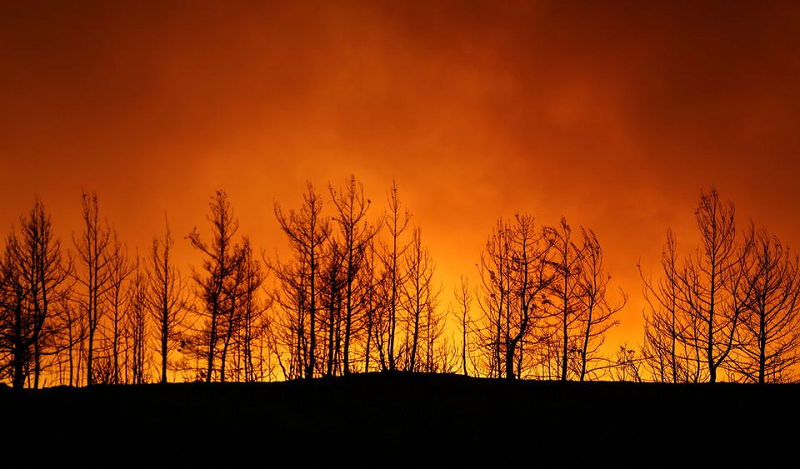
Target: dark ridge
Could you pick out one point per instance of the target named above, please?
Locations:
(386, 419)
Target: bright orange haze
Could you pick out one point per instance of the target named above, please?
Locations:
(614, 115)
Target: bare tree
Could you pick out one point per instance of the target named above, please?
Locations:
(566, 289)
(373, 303)
(119, 269)
(46, 279)
(695, 310)
(70, 333)
(463, 302)
(219, 266)
(94, 274)
(712, 280)
(288, 340)
(598, 315)
(331, 288)
(769, 339)
(168, 298)
(241, 311)
(515, 272)
(397, 222)
(668, 351)
(253, 312)
(307, 231)
(16, 321)
(356, 233)
(136, 313)
(438, 354)
(495, 300)
(627, 365)
(418, 296)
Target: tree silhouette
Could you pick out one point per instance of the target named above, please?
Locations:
(69, 333)
(515, 272)
(168, 299)
(397, 221)
(768, 339)
(418, 297)
(463, 298)
(307, 231)
(242, 313)
(18, 324)
(220, 263)
(697, 309)
(119, 269)
(251, 325)
(598, 315)
(712, 281)
(371, 280)
(356, 233)
(566, 289)
(44, 282)
(94, 274)
(669, 351)
(136, 314)
(331, 288)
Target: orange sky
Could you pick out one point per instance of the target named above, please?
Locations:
(613, 114)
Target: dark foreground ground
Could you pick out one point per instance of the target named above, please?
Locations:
(382, 420)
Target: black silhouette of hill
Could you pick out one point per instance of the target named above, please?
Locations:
(400, 419)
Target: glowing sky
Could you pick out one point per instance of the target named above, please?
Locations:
(614, 114)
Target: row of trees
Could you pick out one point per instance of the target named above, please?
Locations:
(356, 292)
(732, 306)
(94, 314)
(544, 303)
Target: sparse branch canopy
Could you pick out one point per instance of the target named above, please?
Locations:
(93, 274)
(565, 292)
(696, 313)
(168, 298)
(397, 222)
(215, 282)
(307, 231)
(515, 271)
(598, 314)
(769, 337)
(463, 297)
(668, 352)
(351, 209)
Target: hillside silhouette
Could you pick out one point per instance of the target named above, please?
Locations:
(392, 419)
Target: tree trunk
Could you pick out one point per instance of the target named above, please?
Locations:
(349, 306)
(164, 340)
(211, 345)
